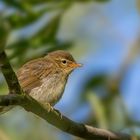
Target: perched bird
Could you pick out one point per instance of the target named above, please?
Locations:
(45, 78)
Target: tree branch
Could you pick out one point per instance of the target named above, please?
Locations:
(5, 66)
(60, 121)
(9, 74)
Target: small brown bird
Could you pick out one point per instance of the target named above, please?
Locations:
(45, 78)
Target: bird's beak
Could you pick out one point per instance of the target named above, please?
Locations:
(75, 65)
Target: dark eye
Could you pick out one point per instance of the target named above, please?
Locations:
(64, 61)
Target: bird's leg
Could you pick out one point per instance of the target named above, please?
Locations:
(59, 113)
(48, 105)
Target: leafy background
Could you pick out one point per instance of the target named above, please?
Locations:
(101, 34)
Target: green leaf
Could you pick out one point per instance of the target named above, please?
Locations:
(98, 108)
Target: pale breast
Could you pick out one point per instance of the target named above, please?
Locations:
(51, 90)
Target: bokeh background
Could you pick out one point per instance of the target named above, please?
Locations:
(104, 35)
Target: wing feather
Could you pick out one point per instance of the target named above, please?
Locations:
(31, 73)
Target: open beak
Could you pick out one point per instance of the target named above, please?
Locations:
(75, 65)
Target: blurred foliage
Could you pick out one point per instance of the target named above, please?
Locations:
(31, 28)
(138, 4)
(3, 34)
(98, 109)
(23, 14)
(3, 136)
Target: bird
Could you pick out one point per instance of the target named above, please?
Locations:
(45, 78)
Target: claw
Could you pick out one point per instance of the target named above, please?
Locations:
(52, 109)
(59, 113)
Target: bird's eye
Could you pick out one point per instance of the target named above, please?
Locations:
(64, 61)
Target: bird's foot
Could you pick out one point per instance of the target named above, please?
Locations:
(59, 113)
(50, 109)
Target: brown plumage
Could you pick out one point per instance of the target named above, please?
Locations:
(45, 78)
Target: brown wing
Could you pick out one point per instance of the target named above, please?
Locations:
(31, 73)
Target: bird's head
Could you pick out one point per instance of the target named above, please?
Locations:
(64, 61)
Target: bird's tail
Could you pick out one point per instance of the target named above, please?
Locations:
(4, 109)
